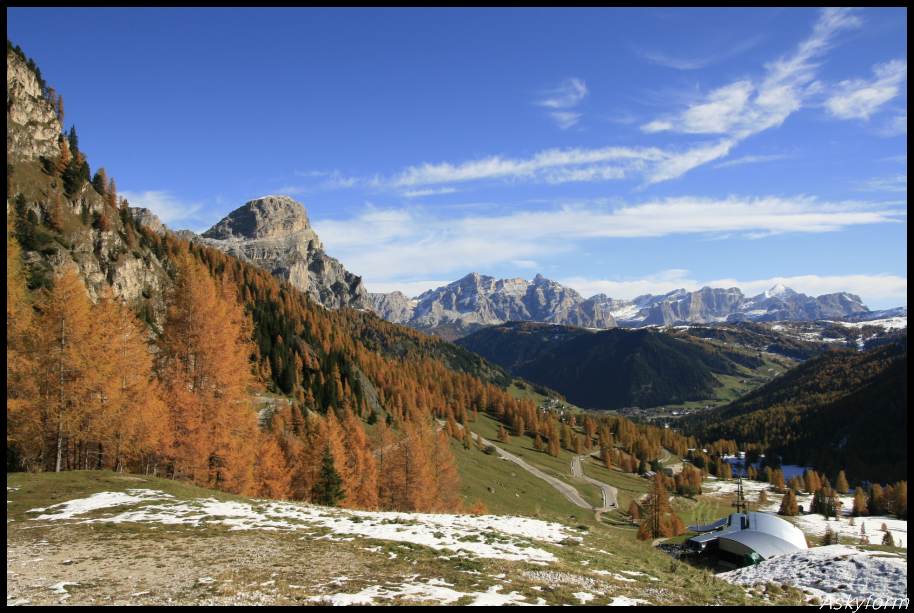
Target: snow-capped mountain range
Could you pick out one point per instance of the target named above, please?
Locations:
(479, 300)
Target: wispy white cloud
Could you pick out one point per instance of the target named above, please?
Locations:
(896, 126)
(753, 159)
(746, 107)
(562, 99)
(421, 193)
(880, 289)
(860, 98)
(680, 62)
(498, 167)
(894, 183)
(174, 212)
(566, 95)
(675, 165)
(732, 112)
(321, 179)
(414, 243)
(565, 119)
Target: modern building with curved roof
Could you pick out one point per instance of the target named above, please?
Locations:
(748, 536)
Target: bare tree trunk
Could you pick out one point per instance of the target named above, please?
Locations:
(60, 395)
(59, 447)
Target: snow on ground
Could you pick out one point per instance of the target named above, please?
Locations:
(438, 591)
(625, 601)
(484, 536)
(815, 523)
(837, 572)
(890, 323)
(102, 500)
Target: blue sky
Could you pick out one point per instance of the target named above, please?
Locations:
(617, 151)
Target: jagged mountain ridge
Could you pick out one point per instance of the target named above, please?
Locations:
(478, 300)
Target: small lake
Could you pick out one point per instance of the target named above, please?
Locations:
(739, 469)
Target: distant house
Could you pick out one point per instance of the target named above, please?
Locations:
(745, 538)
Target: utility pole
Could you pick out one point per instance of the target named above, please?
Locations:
(740, 503)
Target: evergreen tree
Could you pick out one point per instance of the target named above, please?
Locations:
(328, 490)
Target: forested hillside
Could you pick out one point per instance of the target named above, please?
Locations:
(610, 369)
(844, 409)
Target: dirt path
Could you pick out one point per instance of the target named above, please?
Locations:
(610, 493)
(665, 457)
(563, 488)
(567, 490)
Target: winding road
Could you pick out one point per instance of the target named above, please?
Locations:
(610, 500)
(567, 490)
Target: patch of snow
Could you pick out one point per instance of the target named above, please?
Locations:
(484, 536)
(890, 323)
(433, 590)
(835, 571)
(625, 601)
(584, 597)
(637, 573)
(101, 500)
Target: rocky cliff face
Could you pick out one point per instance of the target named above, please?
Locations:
(477, 300)
(148, 219)
(395, 307)
(32, 128)
(90, 236)
(273, 233)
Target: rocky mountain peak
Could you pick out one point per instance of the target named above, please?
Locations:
(267, 217)
(273, 233)
(779, 291)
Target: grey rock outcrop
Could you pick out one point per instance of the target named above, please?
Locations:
(148, 219)
(395, 307)
(273, 233)
(32, 127)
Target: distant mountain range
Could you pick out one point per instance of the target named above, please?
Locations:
(477, 300)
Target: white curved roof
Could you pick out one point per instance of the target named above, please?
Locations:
(766, 534)
(772, 524)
